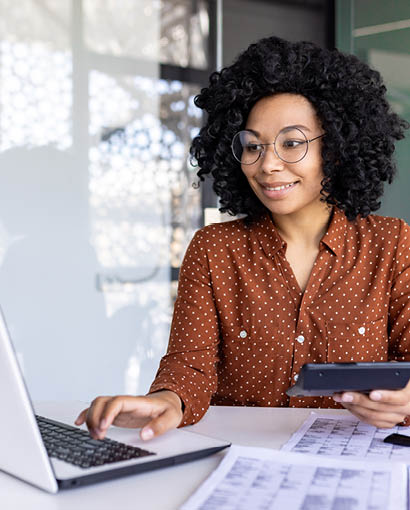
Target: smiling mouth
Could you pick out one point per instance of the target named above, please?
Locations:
(280, 188)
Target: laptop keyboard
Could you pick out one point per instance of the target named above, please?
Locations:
(77, 447)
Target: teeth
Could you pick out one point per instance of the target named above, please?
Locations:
(278, 188)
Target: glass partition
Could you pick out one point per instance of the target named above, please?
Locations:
(96, 197)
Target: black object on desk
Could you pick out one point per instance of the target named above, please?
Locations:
(321, 379)
(399, 439)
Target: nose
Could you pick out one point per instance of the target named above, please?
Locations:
(271, 161)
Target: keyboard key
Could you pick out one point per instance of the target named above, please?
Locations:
(78, 448)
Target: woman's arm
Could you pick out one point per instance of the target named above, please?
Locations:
(189, 366)
(186, 379)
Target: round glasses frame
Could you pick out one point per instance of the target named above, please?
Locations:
(263, 145)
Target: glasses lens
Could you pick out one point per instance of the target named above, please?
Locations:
(291, 145)
(246, 147)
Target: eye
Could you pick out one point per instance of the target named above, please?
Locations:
(292, 144)
(253, 147)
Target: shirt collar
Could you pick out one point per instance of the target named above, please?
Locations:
(271, 241)
(334, 238)
(267, 235)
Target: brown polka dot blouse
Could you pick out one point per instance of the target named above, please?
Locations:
(242, 328)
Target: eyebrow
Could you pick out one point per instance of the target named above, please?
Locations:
(298, 126)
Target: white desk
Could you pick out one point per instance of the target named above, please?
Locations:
(167, 488)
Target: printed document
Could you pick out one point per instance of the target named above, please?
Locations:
(261, 479)
(346, 436)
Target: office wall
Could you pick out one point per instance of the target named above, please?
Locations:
(245, 22)
(378, 32)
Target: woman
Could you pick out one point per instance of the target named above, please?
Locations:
(300, 140)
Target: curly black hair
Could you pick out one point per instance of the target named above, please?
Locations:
(349, 99)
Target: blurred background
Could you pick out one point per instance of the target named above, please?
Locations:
(96, 198)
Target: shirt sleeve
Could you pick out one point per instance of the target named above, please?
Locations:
(399, 308)
(189, 366)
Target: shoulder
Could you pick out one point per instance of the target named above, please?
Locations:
(383, 227)
(385, 236)
(222, 233)
(216, 242)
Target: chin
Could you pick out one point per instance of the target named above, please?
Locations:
(287, 207)
(282, 209)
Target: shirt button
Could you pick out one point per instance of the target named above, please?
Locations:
(243, 334)
(300, 339)
(295, 377)
(362, 330)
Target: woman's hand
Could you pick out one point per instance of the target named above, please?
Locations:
(156, 413)
(381, 408)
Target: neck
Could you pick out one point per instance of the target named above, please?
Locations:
(305, 229)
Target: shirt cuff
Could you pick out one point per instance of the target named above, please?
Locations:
(191, 413)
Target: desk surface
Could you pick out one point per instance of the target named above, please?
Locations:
(167, 488)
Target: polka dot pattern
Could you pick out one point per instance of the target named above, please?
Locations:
(242, 328)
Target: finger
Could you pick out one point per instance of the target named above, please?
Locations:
(169, 419)
(376, 418)
(363, 400)
(379, 422)
(393, 397)
(93, 416)
(350, 397)
(376, 415)
(104, 414)
(81, 417)
(376, 397)
(126, 411)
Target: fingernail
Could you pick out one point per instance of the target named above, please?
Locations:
(103, 424)
(346, 397)
(147, 434)
(336, 398)
(375, 395)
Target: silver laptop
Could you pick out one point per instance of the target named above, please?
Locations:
(53, 455)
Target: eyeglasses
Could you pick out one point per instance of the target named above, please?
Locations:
(291, 146)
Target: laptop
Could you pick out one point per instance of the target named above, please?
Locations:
(53, 455)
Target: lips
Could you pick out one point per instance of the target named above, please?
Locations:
(277, 189)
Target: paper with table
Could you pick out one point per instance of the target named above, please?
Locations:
(346, 436)
(261, 479)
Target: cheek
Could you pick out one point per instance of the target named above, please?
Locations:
(315, 184)
(247, 171)
(318, 174)
(314, 174)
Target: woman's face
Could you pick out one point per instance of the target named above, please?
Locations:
(286, 188)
